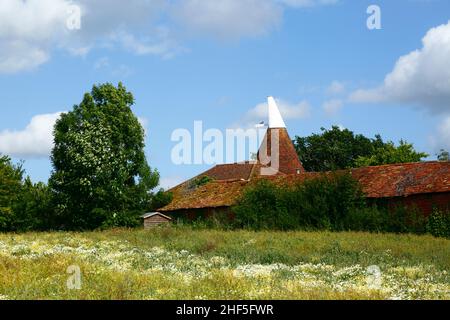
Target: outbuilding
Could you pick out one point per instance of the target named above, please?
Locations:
(154, 219)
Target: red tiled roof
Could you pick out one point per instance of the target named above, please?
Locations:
(236, 171)
(289, 162)
(398, 180)
(402, 180)
(211, 195)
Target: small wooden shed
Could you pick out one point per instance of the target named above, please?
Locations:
(153, 219)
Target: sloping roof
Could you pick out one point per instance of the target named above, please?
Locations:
(152, 214)
(283, 150)
(211, 195)
(398, 180)
(402, 180)
(236, 171)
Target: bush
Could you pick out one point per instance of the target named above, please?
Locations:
(332, 202)
(325, 202)
(406, 219)
(160, 199)
(33, 208)
(261, 207)
(439, 224)
(10, 186)
(370, 219)
(321, 203)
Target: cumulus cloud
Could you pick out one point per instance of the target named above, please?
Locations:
(35, 141)
(27, 31)
(289, 111)
(228, 19)
(421, 77)
(336, 88)
(332, 107)
(307, 3)
(30, 30)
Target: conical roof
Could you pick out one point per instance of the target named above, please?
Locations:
(277, 151)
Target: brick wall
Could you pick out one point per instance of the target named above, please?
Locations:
(424, 202)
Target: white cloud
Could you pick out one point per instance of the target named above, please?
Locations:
(30, 30)
(160, 43)
(336, 88)
(35, 141)
(332, 107)
(228, 19)
(421, 77)
(19, 55)
(27, 30)
(307, 3)
(289, 111)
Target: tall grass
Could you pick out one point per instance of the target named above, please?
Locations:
(186, 263)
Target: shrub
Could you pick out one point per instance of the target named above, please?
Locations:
(33, 208)
(10, 186)
(321, 203)
(201, 181)
(325, 202)
(406, 219)
(259, 208)
(160, 199)
(439, 224)
(371, 219)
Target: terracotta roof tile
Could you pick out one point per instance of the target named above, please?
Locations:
(236, 171)
(399, 180)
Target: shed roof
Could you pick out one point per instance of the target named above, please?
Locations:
(152, 214)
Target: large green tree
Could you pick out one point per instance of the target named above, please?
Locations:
(338, 148)
(389, 153)
(101, 177)
(10, 187)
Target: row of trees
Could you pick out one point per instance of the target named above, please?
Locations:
(100, 176)
(338, 149)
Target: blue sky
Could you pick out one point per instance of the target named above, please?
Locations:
(187, 60)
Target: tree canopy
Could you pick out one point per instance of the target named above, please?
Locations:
(100, 173)
(338, 148)
(10, 186)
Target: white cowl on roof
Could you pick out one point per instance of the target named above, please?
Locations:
(275, 119)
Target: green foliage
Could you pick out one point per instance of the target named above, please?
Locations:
(10, 185)
(439, 224)
(331, 202)
(406, 219)
(324, 202)
(368, 219)
(33, 208)
(321, 203)
(160, 199)
(332, 149)
(388, 153)
(337, 149)
(101, 176)
(24, 206)
(200, 181)
(443, 155)
(262, 207)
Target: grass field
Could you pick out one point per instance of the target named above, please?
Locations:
(185, 263)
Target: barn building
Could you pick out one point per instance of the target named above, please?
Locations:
(424, 184)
